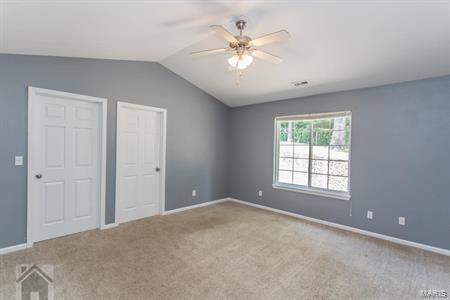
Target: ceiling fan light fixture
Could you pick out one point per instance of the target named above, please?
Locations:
(243, 47)
(240, 62)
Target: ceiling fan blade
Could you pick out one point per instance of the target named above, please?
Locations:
(266, 56)
(222, 32)
(274, 37)
(208, 52)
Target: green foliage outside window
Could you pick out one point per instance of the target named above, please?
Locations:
(284, 131)
(302, 132)
(324, 131)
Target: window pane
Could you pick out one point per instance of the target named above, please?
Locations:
(301, 178)
(348, 129)
(301, 165)
(285, 176)
(284, 131)
(338, 123)
(301, 151)
(338, 183)
(321, 137)
(322, 124)
(286, 149)
(339, 168)
(339, 152)
(319, 181)
(320, 166)
(285, 164)
(302, 131)
(347, 136)
(320, 152)
(338, 138)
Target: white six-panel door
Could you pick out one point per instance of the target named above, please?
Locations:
(138, 162)
(65, 184)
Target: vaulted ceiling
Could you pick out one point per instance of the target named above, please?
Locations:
(334, 45)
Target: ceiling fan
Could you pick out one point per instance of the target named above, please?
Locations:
(245, 48)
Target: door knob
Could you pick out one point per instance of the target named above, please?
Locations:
(157, 169)
(38, 176)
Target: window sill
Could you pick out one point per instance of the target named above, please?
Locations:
(296, 189)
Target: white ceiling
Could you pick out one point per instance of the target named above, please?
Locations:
(335, 45)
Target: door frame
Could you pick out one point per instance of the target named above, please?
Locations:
(33, 92)
(162, 155)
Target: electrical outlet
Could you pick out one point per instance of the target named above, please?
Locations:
(194, 193)
(402, 221)
(18, 160)
(260, 193)
(369, 214)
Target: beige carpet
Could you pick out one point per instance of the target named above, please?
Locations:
(229, 251)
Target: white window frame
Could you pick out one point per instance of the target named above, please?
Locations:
(305, 189)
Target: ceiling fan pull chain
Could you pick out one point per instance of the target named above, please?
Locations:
(238, 76)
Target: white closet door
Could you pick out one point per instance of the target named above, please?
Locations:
(139, 144)
(66, 187)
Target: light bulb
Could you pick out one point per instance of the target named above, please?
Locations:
(233, 60)
(246, 59)
(240, 62)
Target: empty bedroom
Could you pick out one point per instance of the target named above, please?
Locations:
(224, 149)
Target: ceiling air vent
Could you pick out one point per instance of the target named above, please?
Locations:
(300, 83)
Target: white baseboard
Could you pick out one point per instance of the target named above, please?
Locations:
(168, 212)
(348, 228)
(108, 226)
(331, 224)
(13, 248)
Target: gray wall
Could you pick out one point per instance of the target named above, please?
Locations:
(400, 145)
(399, 167)
(196, 138)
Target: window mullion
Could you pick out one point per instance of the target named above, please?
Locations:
(328, 168)
(293, 149)
(310, 153)
(277, 163)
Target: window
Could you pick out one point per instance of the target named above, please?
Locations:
(312, 154)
